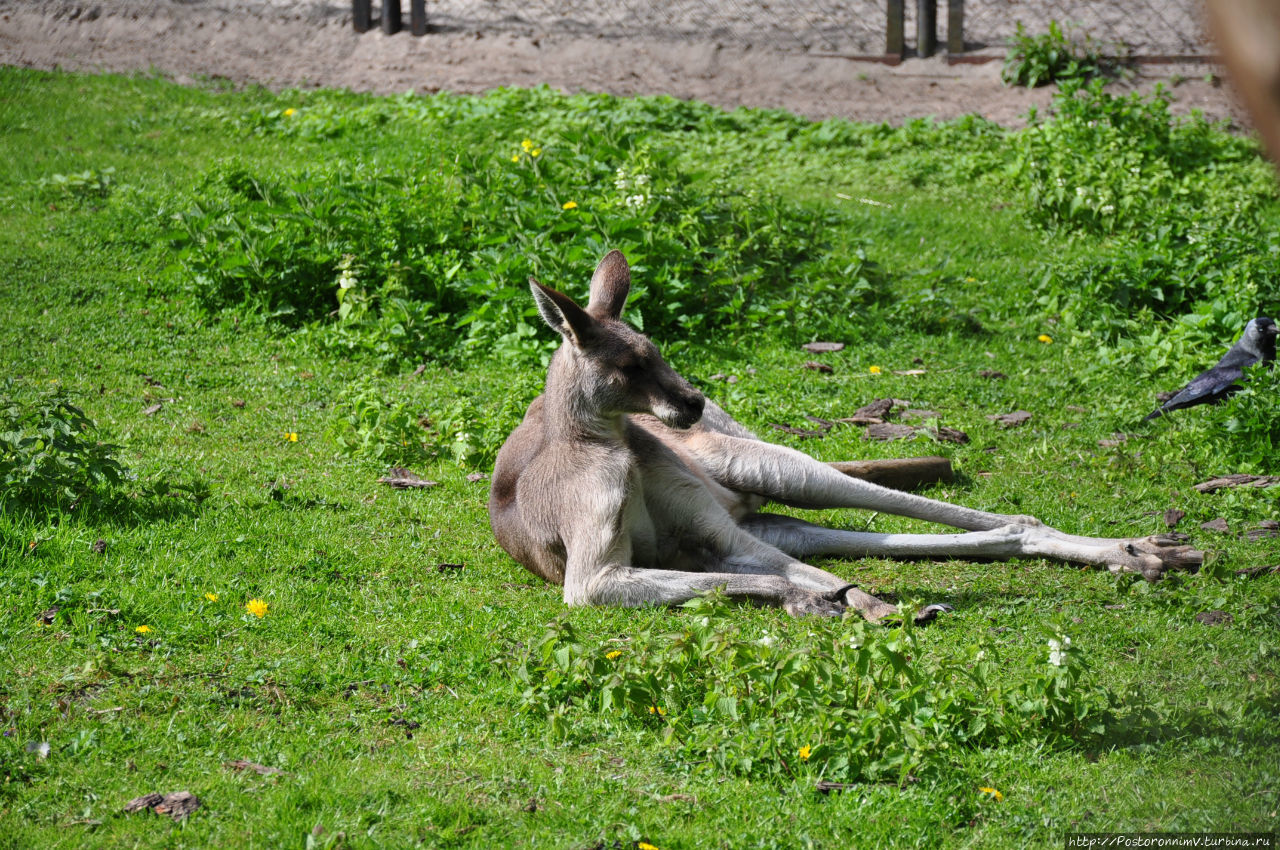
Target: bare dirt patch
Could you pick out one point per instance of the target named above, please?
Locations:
(282, 44)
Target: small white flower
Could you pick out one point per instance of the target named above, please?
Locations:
(1081, 191)
(636, 201)
(346, 274)
(1058, 650)
(767, 640)
(982, 653)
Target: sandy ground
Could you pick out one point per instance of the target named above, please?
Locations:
(305, 43)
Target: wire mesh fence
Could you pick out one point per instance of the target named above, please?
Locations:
(1139, 28)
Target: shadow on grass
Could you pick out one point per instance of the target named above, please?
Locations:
(160, 502)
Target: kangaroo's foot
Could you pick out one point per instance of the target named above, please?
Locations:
(1152, 556)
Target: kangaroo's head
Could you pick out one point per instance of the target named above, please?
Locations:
(605, 367)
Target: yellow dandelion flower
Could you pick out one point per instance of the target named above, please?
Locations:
(875, 370)
(515, 157)
(1045, 338)
(142, 630)
(291, 436)
(289, 111)
(645, 845)
(212, 597)
(993, 793)
(526, 144)
(613, 655)
(536, 152)
(658, 710)
(256, 607)
(569, 205)
(970, 280)
(805, 752)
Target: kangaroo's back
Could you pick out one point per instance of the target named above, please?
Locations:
(541, 554)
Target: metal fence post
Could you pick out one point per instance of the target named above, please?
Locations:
(361, 15)
(926, 27)
(391, 16)
(418, 17)
(894, 40)
(955, 28)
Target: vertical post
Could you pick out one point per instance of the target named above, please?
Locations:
(894, 40)
(418, 17)
(361, 15)
(926, 27)
(955, 28)
(391, 16)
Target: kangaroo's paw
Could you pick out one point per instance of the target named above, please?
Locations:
(925, 615)
(1152, 556)
(804, 603)
(873, 610)
(929, 613)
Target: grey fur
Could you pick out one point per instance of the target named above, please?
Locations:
(626, 486)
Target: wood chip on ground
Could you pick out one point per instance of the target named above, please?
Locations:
(799, 432)
(888, 431)
(1237, 480)
(1214, 618)
(402, 479)
(261, 769)
(176, 804)
(948, 435)
(1011, 420)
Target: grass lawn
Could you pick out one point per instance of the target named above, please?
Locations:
(173, 258)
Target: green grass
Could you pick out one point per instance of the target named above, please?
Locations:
(383, 686)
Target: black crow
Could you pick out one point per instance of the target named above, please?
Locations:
(1256, 345)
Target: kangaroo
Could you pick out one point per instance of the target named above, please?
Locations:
(627, 486)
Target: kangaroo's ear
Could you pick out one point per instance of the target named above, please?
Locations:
(609, 286)
(564, 316)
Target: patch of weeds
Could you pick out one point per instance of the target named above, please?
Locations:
(1125, 286)
(394, 429)
(86, 185)
(853, 702)
(1053, 57)
(49, 455)
(281, 244)
(1157, 171)
(370, 425)
(434, 261)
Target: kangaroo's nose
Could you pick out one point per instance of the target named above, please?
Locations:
(692, 406)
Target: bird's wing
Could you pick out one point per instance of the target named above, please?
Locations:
(1209, 386)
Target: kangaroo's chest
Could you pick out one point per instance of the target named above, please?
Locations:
(665, 515)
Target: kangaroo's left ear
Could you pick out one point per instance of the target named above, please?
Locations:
(610, 286)
(564, 316)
